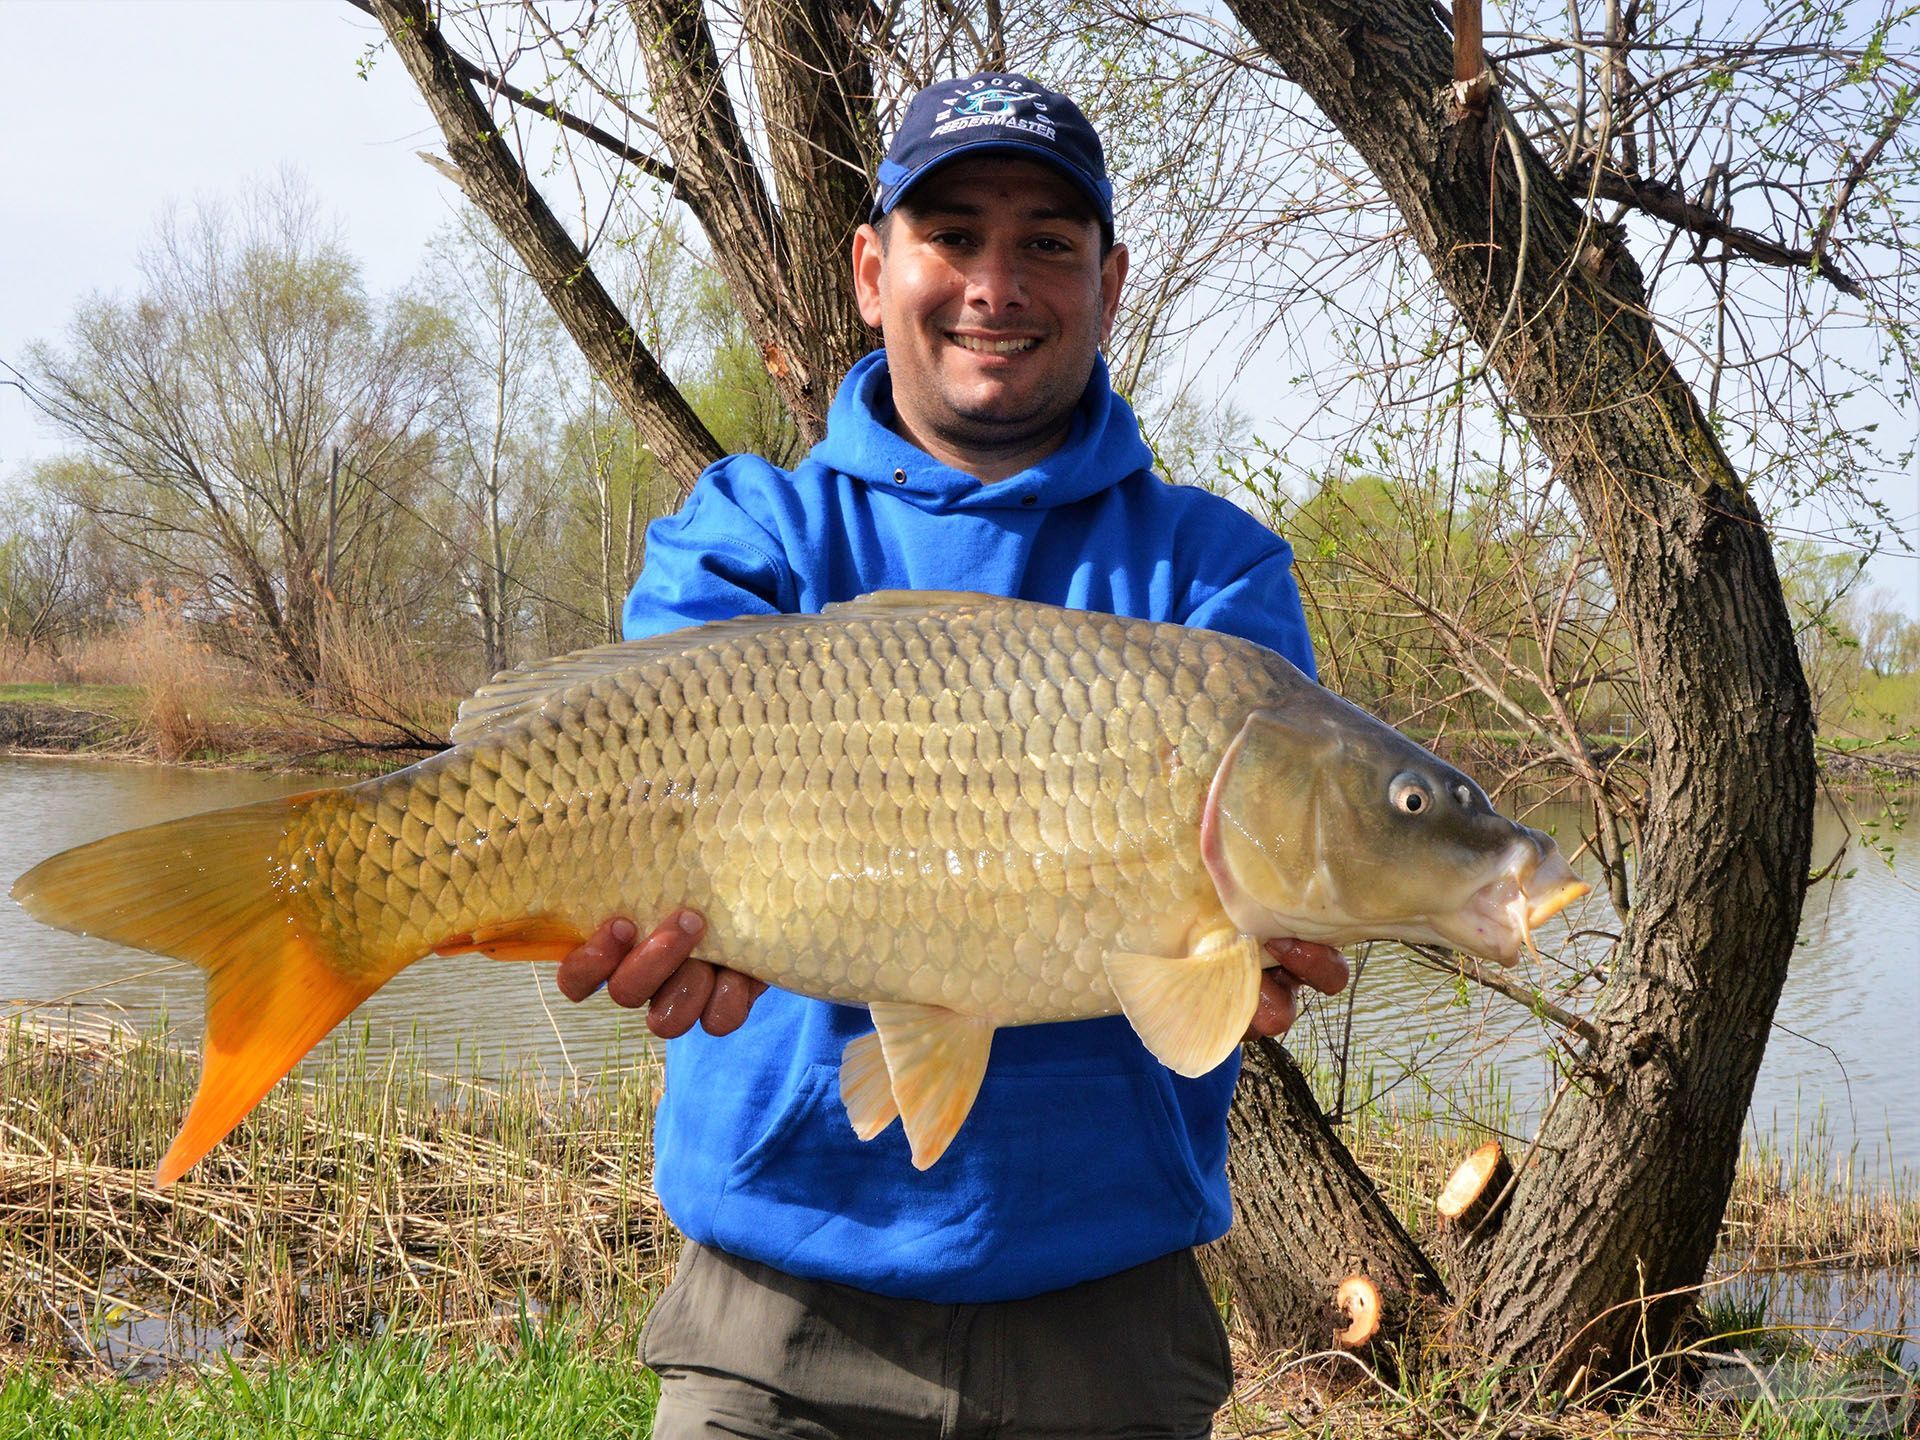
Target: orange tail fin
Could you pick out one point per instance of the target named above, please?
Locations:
(206, 889)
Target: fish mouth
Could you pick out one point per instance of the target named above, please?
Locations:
(1499, 921)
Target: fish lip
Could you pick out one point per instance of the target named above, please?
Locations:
(1555, 900)
(1532, 885)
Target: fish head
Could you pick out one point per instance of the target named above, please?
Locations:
(1325, 824)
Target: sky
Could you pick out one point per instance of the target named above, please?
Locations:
(115, 109)
(128, 106)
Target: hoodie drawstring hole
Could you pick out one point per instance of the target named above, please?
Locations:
(899, 477)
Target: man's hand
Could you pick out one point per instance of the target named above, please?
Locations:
(660, 973)
(1296, 963)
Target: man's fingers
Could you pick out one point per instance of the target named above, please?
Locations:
(677, 1005)
(1279, 1005)
(1318, 966)
(733, 994)
(645, 969)
(587, 968)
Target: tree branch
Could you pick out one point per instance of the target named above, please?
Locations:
(1449, 962)
(492, 178)
(497, 85)
(1858, 173)
(753, 238)
(1664, 202)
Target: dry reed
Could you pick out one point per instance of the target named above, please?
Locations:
(370, 1197)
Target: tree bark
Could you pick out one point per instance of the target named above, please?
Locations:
(787, 265)
(494, 181)
(816, 97)
(1306, 1216)
(1616, 1213)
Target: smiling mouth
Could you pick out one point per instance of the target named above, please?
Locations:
(981, 345)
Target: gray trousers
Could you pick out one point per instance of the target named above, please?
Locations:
(742, 1349)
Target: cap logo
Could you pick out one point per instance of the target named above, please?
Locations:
(992, 107)
(989, 102)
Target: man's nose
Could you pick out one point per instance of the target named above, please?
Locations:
(997, 279)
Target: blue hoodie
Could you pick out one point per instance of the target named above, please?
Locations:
(1083, 1154)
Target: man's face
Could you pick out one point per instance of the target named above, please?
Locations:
(993, 299)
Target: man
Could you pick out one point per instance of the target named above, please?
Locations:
(1040, 1278)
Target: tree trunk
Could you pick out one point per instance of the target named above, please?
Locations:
(486, 170)
(1306, 1217)
(1616, 1212)
(816, 97)
(798, 302)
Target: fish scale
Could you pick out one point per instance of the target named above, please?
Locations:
(962, 812)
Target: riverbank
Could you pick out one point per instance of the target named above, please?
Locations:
(123, 722)
(486, 1222)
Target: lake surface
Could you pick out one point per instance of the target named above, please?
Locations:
(1844, 1056)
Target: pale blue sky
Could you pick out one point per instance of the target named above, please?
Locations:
(115, 108)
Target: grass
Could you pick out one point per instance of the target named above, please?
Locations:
(115, 699)
(551, 1379)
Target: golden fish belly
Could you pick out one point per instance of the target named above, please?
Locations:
(964, 809)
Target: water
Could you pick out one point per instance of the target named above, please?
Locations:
(1842, 1054)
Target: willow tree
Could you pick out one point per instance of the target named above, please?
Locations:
(762, 123)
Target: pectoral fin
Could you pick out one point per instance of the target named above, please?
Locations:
(935, 1059)
(1190, 1010)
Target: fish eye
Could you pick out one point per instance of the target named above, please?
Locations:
(1410, 795)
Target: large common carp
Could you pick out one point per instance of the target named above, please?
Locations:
(960, 811)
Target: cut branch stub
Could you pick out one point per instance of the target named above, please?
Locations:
(1357, 1302)
(1472, 80)
(1474, 1200)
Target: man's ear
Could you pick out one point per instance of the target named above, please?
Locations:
(869, 257)
(1113, 276)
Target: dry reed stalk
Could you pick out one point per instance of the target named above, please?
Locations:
(355, 1201)
(179, 678)
(373, 1195)
(378, 683)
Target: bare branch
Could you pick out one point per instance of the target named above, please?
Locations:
(650, 165)
(1898, 113)
(1664, 202)
(493, 179)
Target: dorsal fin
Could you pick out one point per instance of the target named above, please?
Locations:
(513, 694)
(913, 602)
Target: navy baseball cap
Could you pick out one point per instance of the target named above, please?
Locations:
(1008, 114)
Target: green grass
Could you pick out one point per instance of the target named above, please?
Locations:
(119, 699)
(548, 1381)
